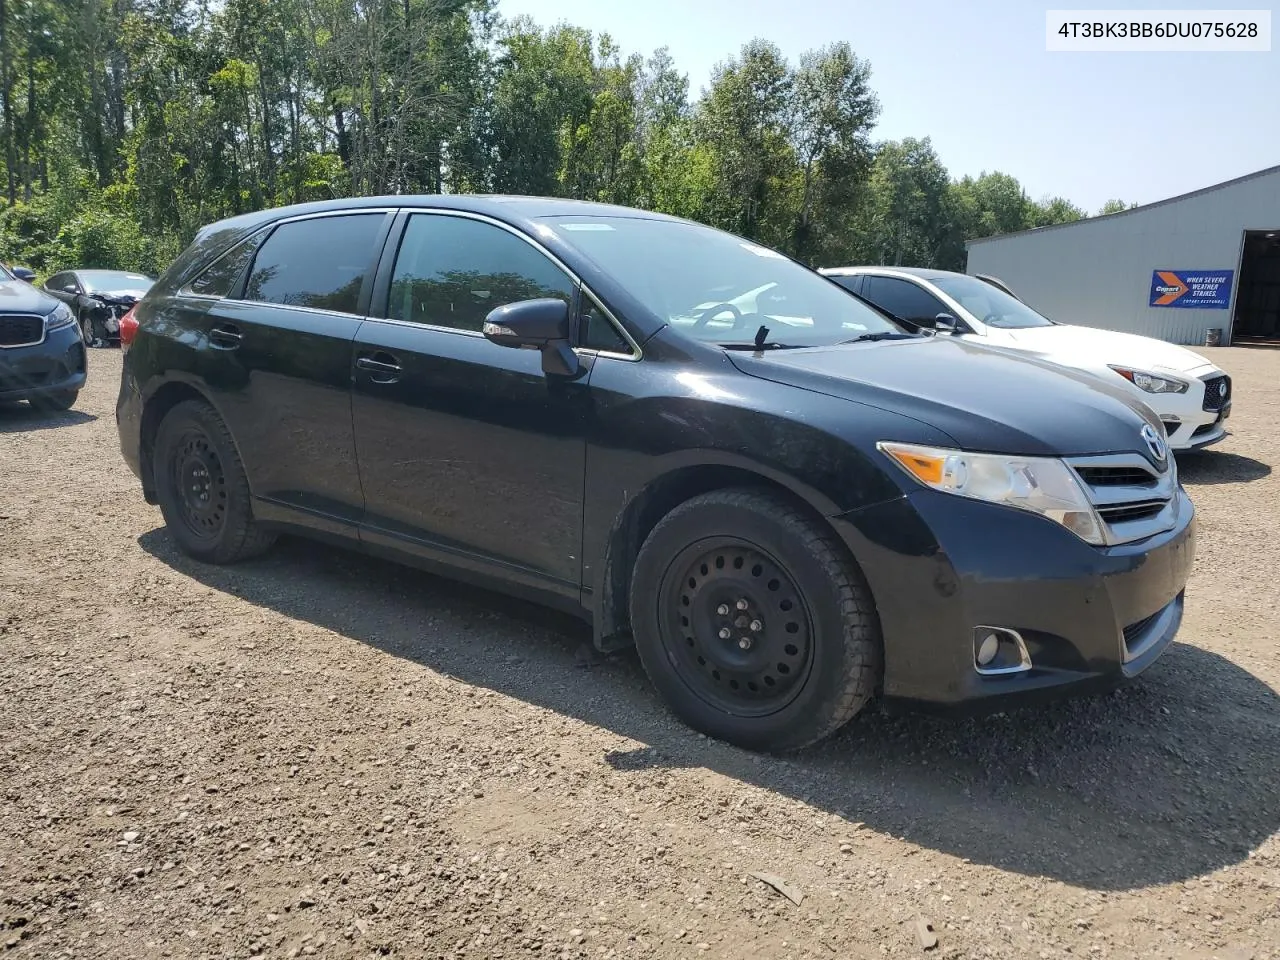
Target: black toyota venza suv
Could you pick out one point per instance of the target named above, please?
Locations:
(786, 502)
(42, 358)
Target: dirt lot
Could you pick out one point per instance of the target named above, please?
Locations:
(320, 754)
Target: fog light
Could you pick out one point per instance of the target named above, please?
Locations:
(999, 650)
(988, 649)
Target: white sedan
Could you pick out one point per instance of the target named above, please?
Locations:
(1191, 396)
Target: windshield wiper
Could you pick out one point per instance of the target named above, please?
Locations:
(886, 335)
(761, 342)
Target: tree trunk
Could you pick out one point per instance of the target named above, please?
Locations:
(6, 104)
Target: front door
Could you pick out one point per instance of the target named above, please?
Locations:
(468, 453)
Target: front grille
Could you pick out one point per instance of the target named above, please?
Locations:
(1115, 476)
(20, 329)
(1134, 498)
(1126, 512)
(1215, 396)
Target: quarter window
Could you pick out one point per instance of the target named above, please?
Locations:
(320, 263)
(451, 271)
(220, 279)
(596, 332)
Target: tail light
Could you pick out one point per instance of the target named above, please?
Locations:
(128, 328)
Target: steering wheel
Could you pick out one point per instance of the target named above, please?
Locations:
(715, 310)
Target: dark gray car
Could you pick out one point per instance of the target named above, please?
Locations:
(42, 357)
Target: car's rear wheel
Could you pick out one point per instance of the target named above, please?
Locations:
(753, 622)
(202, 488)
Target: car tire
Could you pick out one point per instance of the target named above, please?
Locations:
(60, 401)
(87, 331)
(202, 488)
(753, 622)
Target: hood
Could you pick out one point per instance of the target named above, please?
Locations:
(987, 400)
(1088, 345)
(120, 294)
(17, 296)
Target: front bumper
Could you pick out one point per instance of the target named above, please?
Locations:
(1197, 418)
(941, 566)
(55, 365)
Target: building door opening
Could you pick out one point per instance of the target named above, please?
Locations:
(1257, 315)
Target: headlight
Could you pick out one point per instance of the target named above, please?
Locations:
(61, 317)
(1036, 484)
(1151, 382)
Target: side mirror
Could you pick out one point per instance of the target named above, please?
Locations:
(945, 323)
(541, 325)
(24, 273)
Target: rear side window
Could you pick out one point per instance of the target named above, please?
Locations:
(220, 279)
(320, 263)
(451, 271)
(903, 299)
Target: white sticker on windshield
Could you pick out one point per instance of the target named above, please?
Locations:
(762, 251)
(585, 226)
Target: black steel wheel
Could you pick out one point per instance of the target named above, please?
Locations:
(753, 621)
(738, 625)
(201, 484)
(202, 487)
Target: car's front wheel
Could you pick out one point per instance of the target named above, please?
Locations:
(202, 488)
(753, 622)
(60, 400)
(87, 331)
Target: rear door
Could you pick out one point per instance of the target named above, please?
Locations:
(468, 452)
(276, 355)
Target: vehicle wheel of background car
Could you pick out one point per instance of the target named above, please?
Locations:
(752, 622)
(62, 400)
(86, 329)
(202, 488)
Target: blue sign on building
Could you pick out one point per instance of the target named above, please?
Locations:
(1191, 289)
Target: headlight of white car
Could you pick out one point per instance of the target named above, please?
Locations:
(61, 317)
(1036, 484)
(1151, 382)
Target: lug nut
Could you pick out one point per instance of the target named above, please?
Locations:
(725, 633)
(742, 604)
(756, 626)
(723, 610)
(744, 643)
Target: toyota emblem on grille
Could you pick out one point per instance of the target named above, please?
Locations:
(1222, 389)
(1155, 442)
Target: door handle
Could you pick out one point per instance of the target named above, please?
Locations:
(225, 336)
(383, 371)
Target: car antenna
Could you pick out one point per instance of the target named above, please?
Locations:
(761, 336)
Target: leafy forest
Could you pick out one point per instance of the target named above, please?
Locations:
(129, 124)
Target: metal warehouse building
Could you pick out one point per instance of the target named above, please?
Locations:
(1179, 269)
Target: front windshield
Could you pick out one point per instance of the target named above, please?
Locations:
(989, 304)
(5, 274)
(717, 287)
(113, 281)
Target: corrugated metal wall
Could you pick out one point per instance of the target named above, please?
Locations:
(1098, 272)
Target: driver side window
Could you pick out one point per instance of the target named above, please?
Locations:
(451, 271)
(904, 299)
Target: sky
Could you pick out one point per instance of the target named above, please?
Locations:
(974, 76)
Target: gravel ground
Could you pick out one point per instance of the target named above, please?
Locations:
(320, 754)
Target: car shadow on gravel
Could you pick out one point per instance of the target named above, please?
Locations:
(1207, 468)
(1170, 778)
(23, 418)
